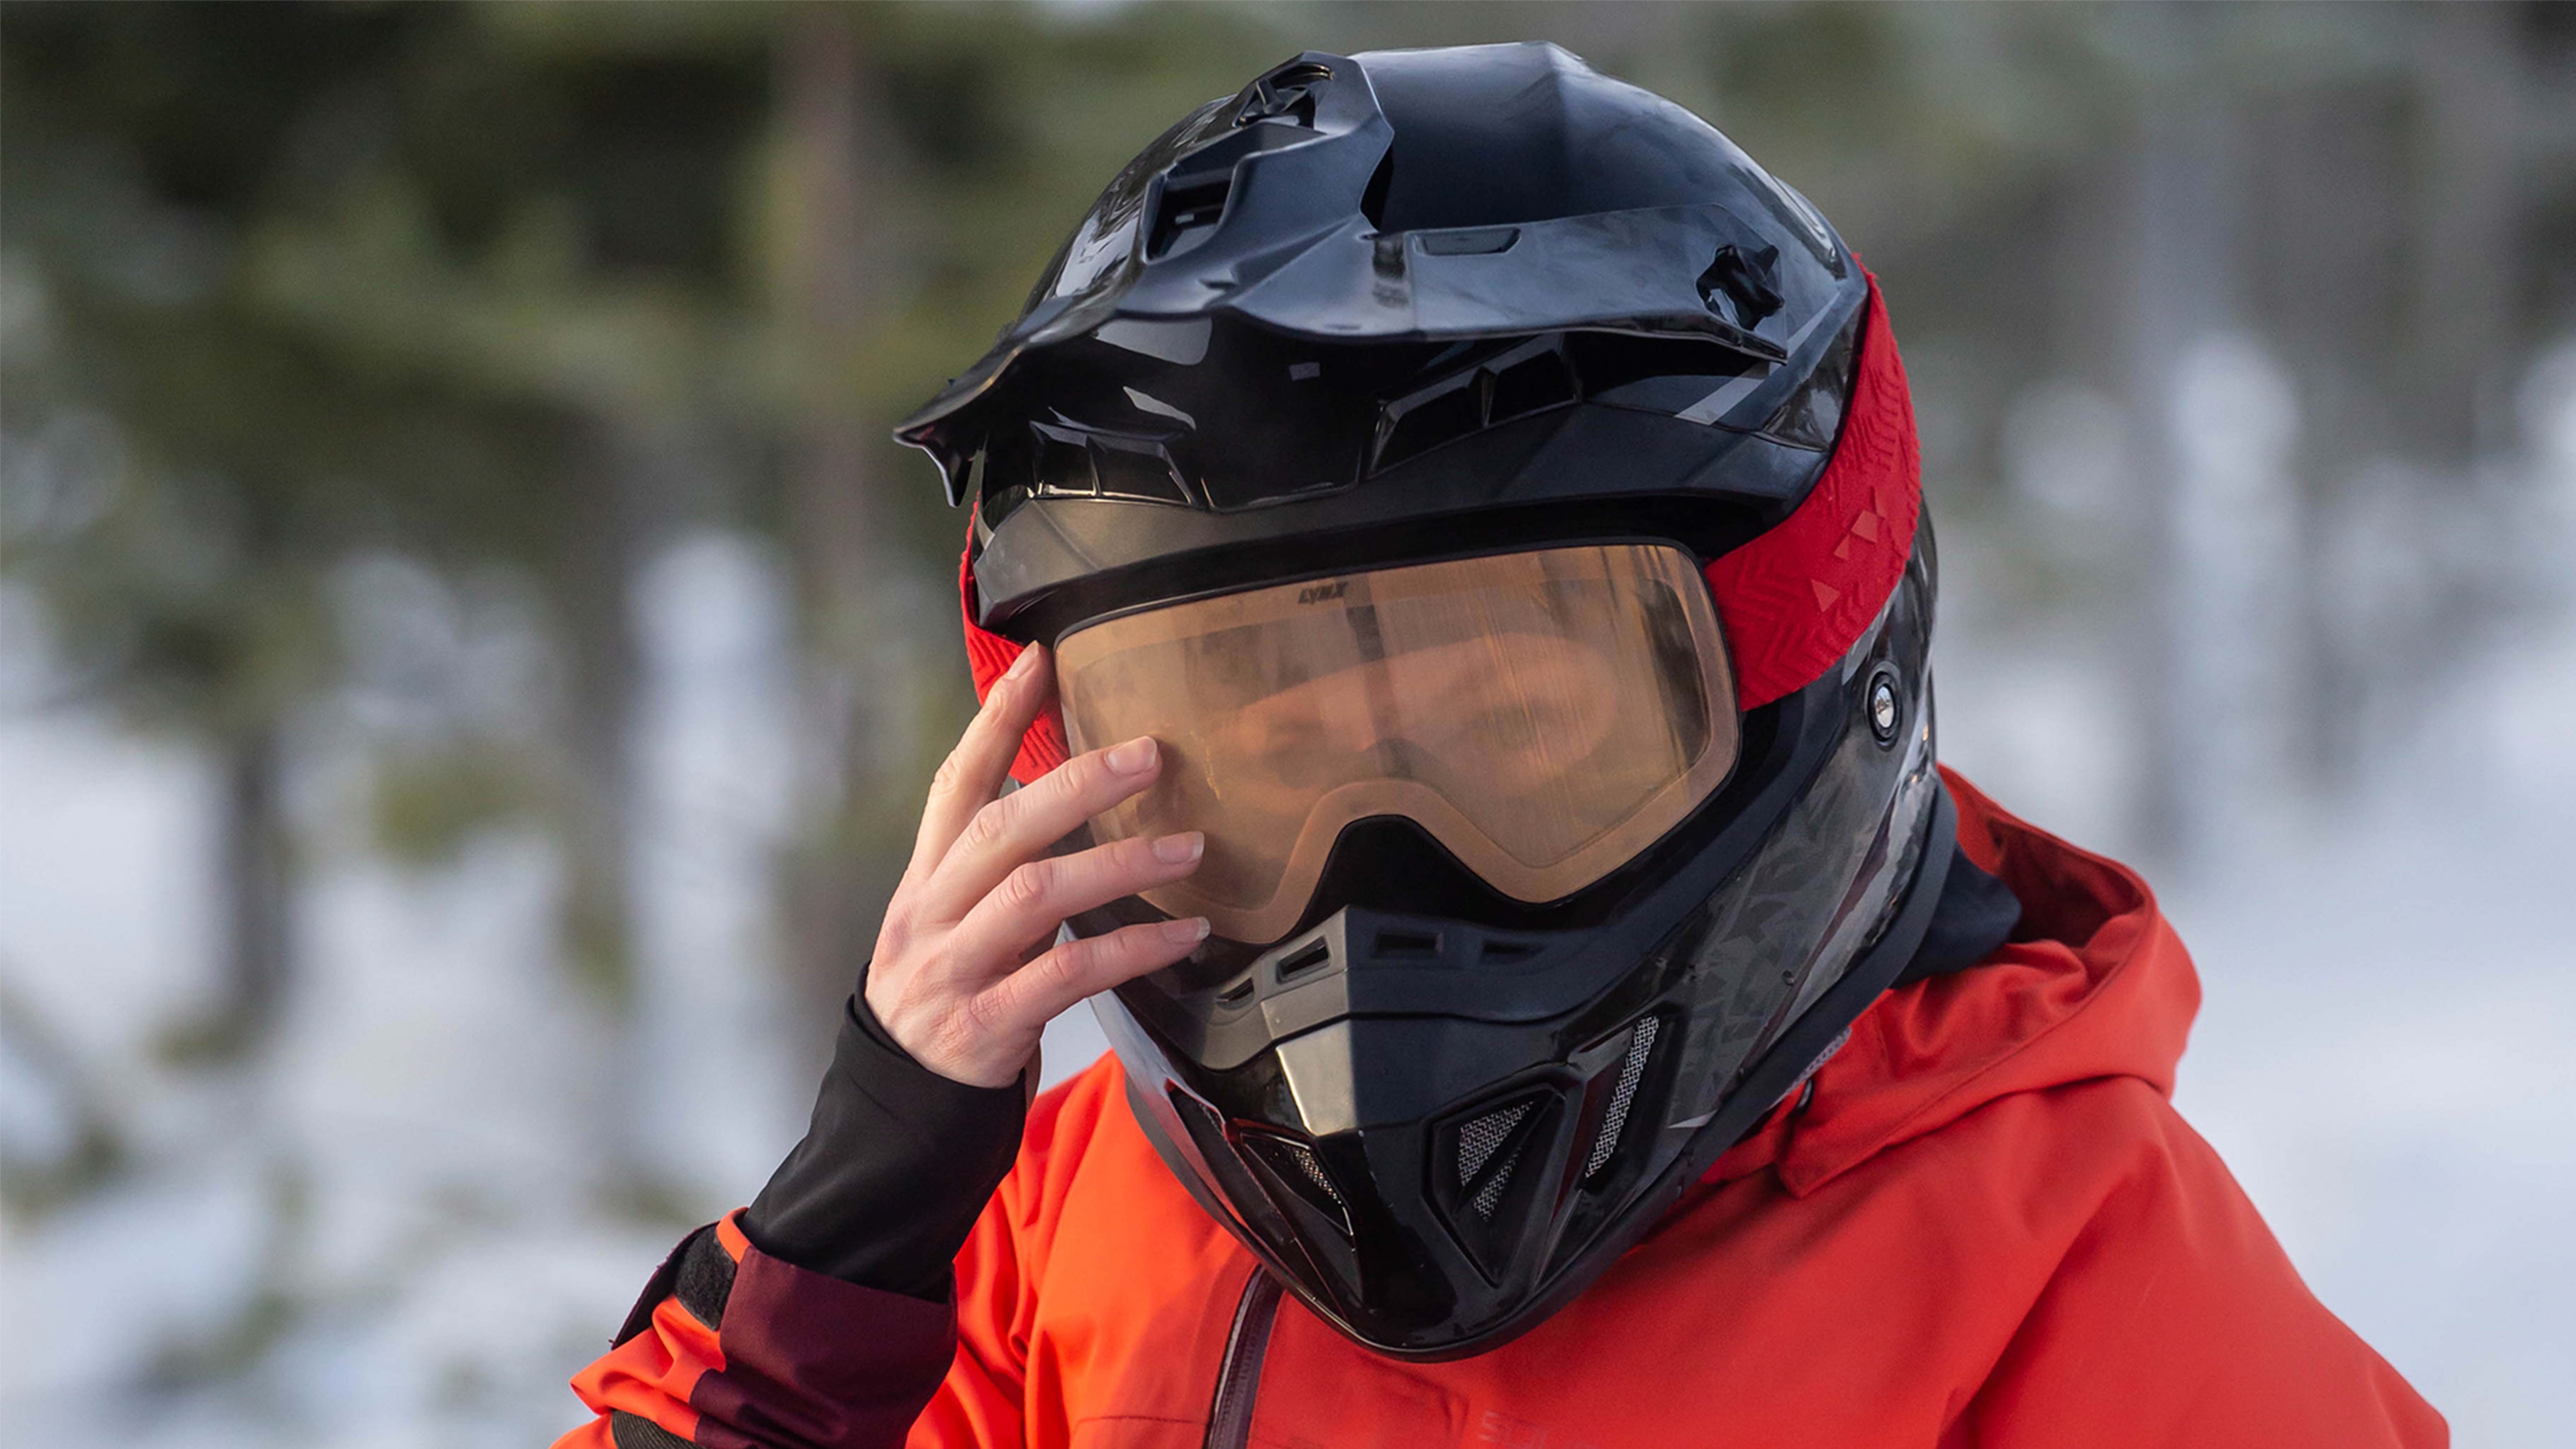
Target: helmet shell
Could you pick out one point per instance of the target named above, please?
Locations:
(1369, 292)
(1402, 305)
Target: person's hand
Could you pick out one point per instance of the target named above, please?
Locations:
(964, 976)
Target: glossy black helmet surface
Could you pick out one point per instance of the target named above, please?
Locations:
(1413, 305)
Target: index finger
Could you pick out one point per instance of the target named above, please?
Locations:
(973, 772)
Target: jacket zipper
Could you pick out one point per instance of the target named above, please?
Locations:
(1238, 1378)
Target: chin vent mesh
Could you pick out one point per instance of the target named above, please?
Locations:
(1292, 1168)
(1632, 1070)
(1304, 1157)
(1478, 1141)
(1490, 1196)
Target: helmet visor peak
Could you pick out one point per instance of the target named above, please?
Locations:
(1545, 715)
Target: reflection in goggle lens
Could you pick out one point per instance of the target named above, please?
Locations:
(1545, 715)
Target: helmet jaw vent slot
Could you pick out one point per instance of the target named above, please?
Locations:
(1623, 1096)
(1227, 1168)
(1281, 1201)
(1399, 942)
(1479, 1141)
(1295, 1172)
(1491, 1169)
(1490, 1196)
(1319, 953)
(1301, 1190)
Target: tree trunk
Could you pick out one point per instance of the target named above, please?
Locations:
(594, 577)
(856, 707)
(603, 550)
(255, 902)
(258, 935)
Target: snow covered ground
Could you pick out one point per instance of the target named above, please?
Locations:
(2383, 1054)
(400, 1230)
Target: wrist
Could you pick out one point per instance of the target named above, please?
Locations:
(896, 1165)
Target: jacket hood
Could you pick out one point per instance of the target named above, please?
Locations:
(2093, 984)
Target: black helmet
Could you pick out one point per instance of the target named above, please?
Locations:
(1405, 344)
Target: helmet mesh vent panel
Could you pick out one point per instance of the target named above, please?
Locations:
(1294, 1175)
(1490, 1196)
(1304, 1157)
(1479, 1138)
(1632, 1070)
(1489, 1144)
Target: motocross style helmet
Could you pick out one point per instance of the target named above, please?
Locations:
(1500, 498)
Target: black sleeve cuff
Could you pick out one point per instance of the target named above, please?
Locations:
(894, 1170)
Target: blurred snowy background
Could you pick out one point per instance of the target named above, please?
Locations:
(467, 651)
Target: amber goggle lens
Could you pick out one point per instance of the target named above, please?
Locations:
(1545, 715)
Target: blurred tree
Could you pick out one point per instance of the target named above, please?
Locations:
(924, 169)
(838, 203)
(192, 462)
(318, 282)
(486, 287)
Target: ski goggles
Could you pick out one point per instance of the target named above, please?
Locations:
(1545, 716)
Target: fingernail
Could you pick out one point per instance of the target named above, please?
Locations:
(1027, 659)
(1173, 849)
(1134, 757)
(1186, 933)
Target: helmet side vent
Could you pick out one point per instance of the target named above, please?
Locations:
(1812, 417)
(1532, 384)
(1745, 282)
(1632, 1072)
(1188, 215)
(1139, 471)
(1425, 418)
(1063, 463)
(1373, 199)
(1531, 377)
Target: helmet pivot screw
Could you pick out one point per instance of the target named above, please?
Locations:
(1884, 713)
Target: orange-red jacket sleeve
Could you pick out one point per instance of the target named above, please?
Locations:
(981, 1405)
(731, 1348)
(2175, 1318)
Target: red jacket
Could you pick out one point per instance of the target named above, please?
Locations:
(1985, 1226)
